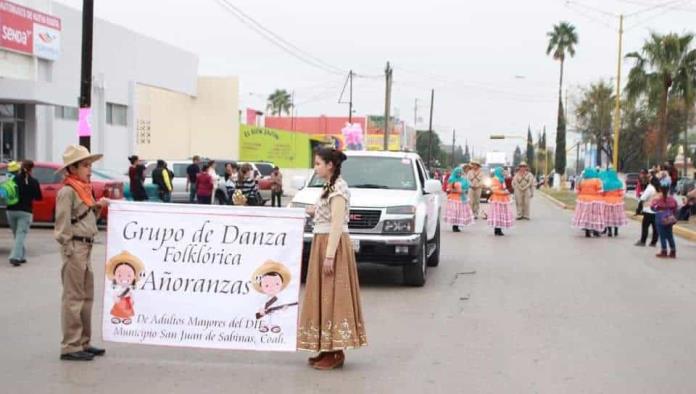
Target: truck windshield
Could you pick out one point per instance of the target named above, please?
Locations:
(375, 173)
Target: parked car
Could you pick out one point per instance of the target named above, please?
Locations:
(394, 215)
(115, 175)
(178, 167)
(51, 183)
(632, 179)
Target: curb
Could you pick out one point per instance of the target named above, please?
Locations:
(556, 202)
(679, 231)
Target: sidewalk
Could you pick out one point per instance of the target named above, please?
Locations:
(566, 200)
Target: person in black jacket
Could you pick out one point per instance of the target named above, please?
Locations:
(163, 178)
(20, 215)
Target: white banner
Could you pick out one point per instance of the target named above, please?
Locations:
(203, 276)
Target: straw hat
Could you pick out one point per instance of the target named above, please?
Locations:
(76, 153)
(124, 258)
(14, 166)
(268, 267)
(475, 163)
(523, 164)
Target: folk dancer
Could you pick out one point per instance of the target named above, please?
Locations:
(589, 205)
(458, 212)
(500, 212)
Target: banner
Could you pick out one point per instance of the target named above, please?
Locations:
(202, 276)
(28, 31)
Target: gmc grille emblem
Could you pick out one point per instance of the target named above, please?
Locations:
(355, 216)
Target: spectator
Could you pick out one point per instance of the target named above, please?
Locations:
(646, 198)
(665, 207)
(643, 181)
(204, 186)
(191, 173)
(231, 175)
(248, 185)
(162, 177)
(20, 215)
(136, 175)
(276, 186)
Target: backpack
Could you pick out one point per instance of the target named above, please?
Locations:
(9, 191)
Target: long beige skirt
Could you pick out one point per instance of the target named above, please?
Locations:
(331, 316)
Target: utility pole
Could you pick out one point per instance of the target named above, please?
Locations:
(617, 110)
(350, 103)
(85, 100)
(415, 115)
(453, 142)
(387, 104)
(430, 130)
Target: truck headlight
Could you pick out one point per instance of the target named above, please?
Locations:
(401, 210)
(398, 226)
(487, 182)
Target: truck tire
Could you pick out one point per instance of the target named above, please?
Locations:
(434, 260)
(415, 273)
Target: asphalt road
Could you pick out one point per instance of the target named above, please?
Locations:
(541, 310)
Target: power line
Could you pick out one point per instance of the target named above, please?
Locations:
(277, 40)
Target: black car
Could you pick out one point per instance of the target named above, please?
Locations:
(632, 179)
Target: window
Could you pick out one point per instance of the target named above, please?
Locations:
(116, 114)
(376, 173)
(46, 176)
(67, 113)
(179, 170)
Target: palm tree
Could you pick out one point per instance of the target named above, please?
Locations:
(665, 67)
(278, 102)
(562, 41)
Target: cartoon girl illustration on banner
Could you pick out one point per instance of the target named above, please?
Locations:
(270, 279)
(123, 270)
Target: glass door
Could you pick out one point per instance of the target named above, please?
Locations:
(8, 141)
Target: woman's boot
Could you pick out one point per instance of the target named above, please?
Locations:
(616, 231)
(662, 254)
(672, 254)
(331, 360)
(609, 230)
(315, 359)
(588, 234)
(456, 229)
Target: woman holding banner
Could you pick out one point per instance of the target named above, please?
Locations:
(331, 317)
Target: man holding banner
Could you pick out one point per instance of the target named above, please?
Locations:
(75, 229)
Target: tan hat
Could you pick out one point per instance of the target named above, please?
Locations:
(76, 153)
(124, 258)
(475, 163)
(268, 267)
(523, 164)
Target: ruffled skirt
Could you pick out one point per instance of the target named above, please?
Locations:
(458, 213)
(589, 215)
(500, 215)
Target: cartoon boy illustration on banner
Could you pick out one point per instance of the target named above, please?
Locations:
(270, 279)
(123, 270)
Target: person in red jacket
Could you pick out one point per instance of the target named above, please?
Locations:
(204, 186)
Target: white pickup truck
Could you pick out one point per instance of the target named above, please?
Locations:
(394, 214)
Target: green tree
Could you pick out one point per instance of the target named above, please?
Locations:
(594, 117)
(664, 68)
(517, 157)
(530, 151)
(279, 102)
(467, 155)
(562, 41)
(422, 144)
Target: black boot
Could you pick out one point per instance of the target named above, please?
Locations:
(596, 234)
(456, 229)
(588, 234)
(609, 231)
(616, 231)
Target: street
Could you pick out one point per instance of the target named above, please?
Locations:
(541, 310)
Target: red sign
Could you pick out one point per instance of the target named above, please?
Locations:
(27, 31)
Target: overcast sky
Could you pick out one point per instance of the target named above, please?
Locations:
(485, 59)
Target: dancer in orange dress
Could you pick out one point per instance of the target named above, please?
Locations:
(589, 205)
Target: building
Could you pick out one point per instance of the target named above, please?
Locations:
(146, 94)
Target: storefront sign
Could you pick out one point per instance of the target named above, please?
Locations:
(286, 149)
(203, 276)
(27, 31)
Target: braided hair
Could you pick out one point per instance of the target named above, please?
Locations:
(336, 157)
